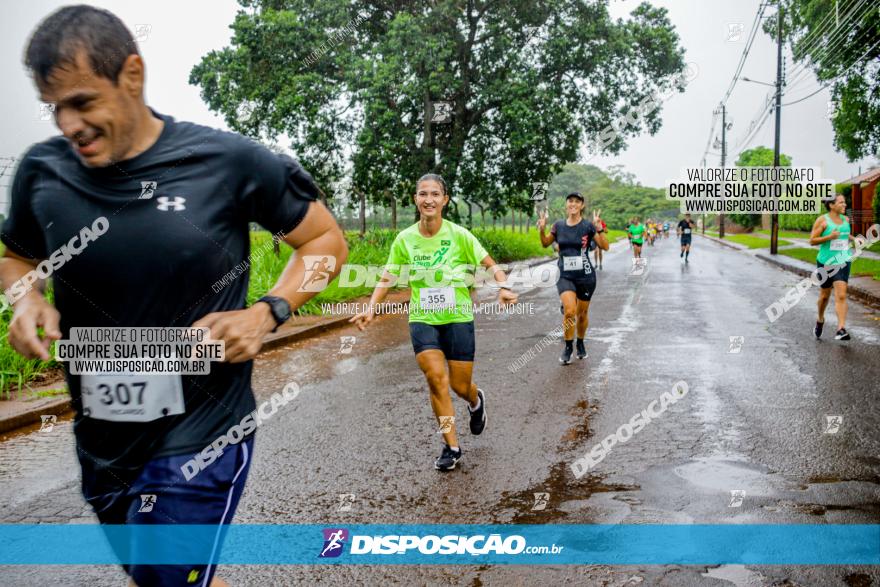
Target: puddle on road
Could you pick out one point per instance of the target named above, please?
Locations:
(326, 356)
(564, 492)
(722, 475)
(739, 575)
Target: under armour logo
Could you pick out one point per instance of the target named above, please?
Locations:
(165, 204)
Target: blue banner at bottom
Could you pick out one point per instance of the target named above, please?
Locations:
(551, 544)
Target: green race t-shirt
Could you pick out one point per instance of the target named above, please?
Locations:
(438, 270)
(636, 230)
(836, 251)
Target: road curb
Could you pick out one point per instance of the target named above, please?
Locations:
(53, 406)
(61, 405)
(805, 270)
(733, 246)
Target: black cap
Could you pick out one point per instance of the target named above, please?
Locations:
(575, 195)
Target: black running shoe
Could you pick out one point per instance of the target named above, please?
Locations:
(565, 357)
(447, 459)
(818, 329)
(581, 351)
(842, 334)
(478, 416)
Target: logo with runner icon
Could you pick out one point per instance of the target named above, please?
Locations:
(147, 189)
(346, 344)
(446, 424)
(639, 265)
(346, 501)
(47, 422)
(541, 501)
(736, 498)
(833, 424)
(318, 269)
(147, 503)
(334, 540)
(736, 344)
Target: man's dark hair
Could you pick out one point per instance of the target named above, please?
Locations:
(61, 36)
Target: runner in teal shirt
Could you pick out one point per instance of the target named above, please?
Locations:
(832, 233)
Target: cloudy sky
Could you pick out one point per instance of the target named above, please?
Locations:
(181, 32)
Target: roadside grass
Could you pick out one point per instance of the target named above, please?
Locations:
(616, 235)
(753, 242)
(860, 266)
(786, 234)
(503, 246)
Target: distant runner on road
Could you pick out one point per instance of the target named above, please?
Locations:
(832, 233)
(436, 252)
(636, 233)
(155, 266)
(685, 230)
(577, 278)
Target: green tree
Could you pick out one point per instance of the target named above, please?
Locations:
(840, 41)
(757, 157)
(352, 85)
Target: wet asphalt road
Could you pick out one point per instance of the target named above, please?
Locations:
(753, 421)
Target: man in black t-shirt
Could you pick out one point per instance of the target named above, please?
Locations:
(140, 217)
(685, 229)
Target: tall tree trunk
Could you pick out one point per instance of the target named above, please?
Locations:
(363, 213)
(393, 213)
(512, 220)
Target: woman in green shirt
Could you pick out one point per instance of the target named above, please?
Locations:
(637, 236)
(832, 233)
(438, 256)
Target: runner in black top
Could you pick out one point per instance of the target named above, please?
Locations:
(685, 229)
(157, 264)
(577, 277)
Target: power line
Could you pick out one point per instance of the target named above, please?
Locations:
(746, 50)
(769, 108)
(844, 72)
(711, 135)
(835, 43)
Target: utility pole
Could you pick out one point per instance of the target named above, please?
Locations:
(774, 217)
(723, 161)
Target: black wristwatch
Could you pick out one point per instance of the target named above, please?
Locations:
(280, 309)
